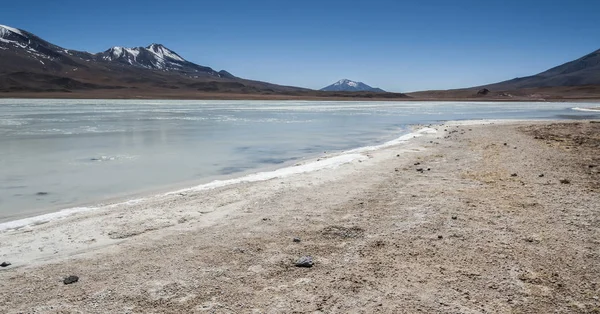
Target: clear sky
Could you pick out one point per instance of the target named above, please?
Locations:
(396, 45)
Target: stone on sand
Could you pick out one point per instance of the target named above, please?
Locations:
(304, 261)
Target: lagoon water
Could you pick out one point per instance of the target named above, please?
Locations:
(57, 154)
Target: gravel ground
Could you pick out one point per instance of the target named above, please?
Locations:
(501, 218)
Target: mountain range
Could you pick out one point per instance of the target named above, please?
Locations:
(31, 64)
(33, 67)
(346, 85)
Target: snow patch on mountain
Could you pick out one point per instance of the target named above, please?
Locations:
(162, 52)
(117, 52)
(133, 52)
(4, 31)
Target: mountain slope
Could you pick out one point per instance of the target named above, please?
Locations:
(577, 79)
(155, 57)
(29, 63)
(583, 71)
(346, 85)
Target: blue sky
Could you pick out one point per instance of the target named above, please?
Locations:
(395, 45)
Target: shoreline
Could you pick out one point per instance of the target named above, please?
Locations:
(144, 191)
(85, 221)
(309, 164)
(496, 216)
(242, 97)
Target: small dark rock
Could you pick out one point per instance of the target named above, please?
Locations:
(266, 219)
(440, 237)
(513, 175)
(565, 181)
(297, 240)
(505, 144)
(398, 155)
(5, 264)
(417, 163)
(541, 175)
(71, 279)
(304, 261)
(591, 166)
(483, 91)
(41, 193)
(420, 169)
(454, 217)
(428, 169)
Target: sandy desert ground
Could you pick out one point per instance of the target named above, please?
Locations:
(478, 218)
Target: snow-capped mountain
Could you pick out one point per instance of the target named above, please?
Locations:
(30, 64)
(346, 85)
(18, 40)
(155, 57)
(9, 34)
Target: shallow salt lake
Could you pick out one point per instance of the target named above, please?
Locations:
(57, 154)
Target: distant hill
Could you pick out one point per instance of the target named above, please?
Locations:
(583, 71)
(578, 79)
(346, 85)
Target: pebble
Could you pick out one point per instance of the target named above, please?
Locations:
(565, 181)
(513, 175)
(5, 264)
(454, 217)
(297, 240)
(541, 175)
(440, 237)
(304, 261)
(41, 193)
(71, 279)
